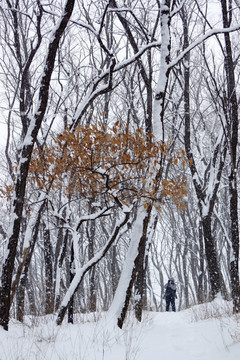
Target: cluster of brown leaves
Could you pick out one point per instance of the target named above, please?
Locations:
(93, 161)
(6, 191)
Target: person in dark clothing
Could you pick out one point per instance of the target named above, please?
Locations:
(170, 294)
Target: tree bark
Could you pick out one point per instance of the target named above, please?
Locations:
(140, 284)
(200, 293)
(24, 275)
(92, 281)
(135, 266)
(71, 276)
(48, 258)
(215, 276)
(164, 71)
(233, 147)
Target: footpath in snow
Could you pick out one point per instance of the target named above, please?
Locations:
(204, 332)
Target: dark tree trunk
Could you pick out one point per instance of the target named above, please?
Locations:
(20, 281)
(20, 296)
(31, 297)
(115, 271)
(216, 279)
(26, 252)
(141, 276)
(48, 258)
(232, 107)
(25, 287)
(140, 285)
(201, 295)
(71, 276)
(59, 264)
(8, 265)
(234, 262)
(92, 272)
(93, 291)
(23, 280)
(184, 260)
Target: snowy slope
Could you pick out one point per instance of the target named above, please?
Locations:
(182, 335)
(175, 337)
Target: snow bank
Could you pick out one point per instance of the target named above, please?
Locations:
(181, 335)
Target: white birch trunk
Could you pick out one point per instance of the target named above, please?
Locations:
(120, 294)
(159, 100)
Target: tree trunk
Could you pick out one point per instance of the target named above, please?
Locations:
(92, 281)
(23, 280)
(136, 250)
(200, 294)
(71, 276)
(31, 234)
(140, 285)
(232, 107)
(114, 269)
(215, 276)
(48, 258)
(164, 71)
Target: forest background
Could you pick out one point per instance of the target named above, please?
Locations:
(121, 161)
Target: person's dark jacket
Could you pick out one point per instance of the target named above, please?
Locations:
(170, 289)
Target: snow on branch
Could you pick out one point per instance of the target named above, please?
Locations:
(137, 55)
(201, 39)
(96, 215)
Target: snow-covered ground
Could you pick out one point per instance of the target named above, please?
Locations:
(204, 332)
